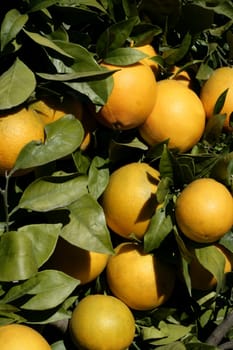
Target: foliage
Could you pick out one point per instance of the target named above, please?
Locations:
(52, 47)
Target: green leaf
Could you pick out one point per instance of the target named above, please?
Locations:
(63, 137)
(214, 127)
(36, 5)
(98, 176)
(200, 346)
(12, 24)
(213, 260)
(16, 85)
(220, 102)
(115, 36)
(87, 228)
(124, 56)
(165, 164)
(43, 41)
(58, 345)
(221, 7)
(53, 192)
(172, 332)
(174, 55)
(49, 289)
(17, 257)
(160, 226)
(43, 238)
(173, 346)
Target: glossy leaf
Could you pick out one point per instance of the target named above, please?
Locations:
(124, 56)
(87, 227)
(67, 131)
(16, 85)
(53, 192)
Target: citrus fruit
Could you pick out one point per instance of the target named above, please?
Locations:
(132, 97)
(129, 200)
(150, 51)
(102, 322)
(204, 210)
(139, 279)
(21, 337)
(51, 108)
(177, 116)
(16, 130)
(220, 80)
(79, 263)
(201, 278)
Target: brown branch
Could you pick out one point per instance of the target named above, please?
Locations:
(220, 331)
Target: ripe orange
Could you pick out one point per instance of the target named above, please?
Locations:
(220, 80)
(77, 262)
(139, 279)
(178, 115)
(129, 200)
(132, 97)
(50, 109)
(204, 210)
(21, 337)
(102, 322)
(150, 51)
(16, 130)
(201, 278)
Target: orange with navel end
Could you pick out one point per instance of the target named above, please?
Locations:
(132, 97)
(150, 51)
(220, 80)
(102, 322)
(204, 210)
(129, 200)
(16, 130)
(141, 280)
(178, 116)
(76, 262)
(21, 337)
(201, 278)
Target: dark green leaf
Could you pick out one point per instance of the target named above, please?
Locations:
(16, 85)
(214, 127)
(87, 227)
(36, 5)
(220, 102)
(174, 55)
(200, 346)
(165, 164)
(64, 136)
(115, 36)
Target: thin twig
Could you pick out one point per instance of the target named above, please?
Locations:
(217, 335)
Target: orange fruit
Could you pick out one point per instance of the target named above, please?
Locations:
(21, 337)
(76, 262)
(102, 322)
(129, 200)
(177, 116)
(50, 109)
(132, 97)
(139, 279)
(220, 80)
(204, 210)
(16, 130)
(150, 51)
(201, 278)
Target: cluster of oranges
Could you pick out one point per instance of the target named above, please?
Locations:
(164, 110)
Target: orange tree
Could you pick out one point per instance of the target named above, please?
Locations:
(54, 49)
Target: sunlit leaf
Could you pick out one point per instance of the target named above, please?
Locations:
(124, 56)
(64, 136)
(49, 289)
(53, 192)
(16, 85)
(87, 227)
